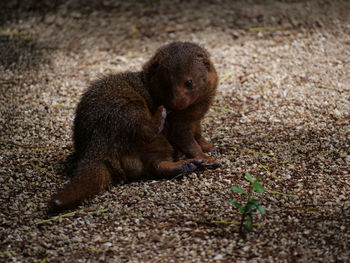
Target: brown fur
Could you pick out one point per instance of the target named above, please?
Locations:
(118, 128)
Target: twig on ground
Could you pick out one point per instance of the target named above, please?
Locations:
(45, 172)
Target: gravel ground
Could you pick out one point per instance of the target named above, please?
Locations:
(282, 111)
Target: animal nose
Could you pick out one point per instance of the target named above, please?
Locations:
(178, 99)
(178, 104)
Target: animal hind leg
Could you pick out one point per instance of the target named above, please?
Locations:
(158, 160)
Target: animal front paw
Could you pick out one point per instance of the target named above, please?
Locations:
(206, 146)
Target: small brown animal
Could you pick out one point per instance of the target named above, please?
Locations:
(122, 131)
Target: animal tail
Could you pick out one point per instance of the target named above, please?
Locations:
(89, 179)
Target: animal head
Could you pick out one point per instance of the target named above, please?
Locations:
(180, 74)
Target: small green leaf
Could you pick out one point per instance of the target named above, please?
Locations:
(238, 190)
(253, 201)
(258, 187)
(261, 209)
(249, 222)
(249, 177)
(238, 205)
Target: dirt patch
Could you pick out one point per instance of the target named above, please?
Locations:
(283, 108)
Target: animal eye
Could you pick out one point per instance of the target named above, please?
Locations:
(189, 84)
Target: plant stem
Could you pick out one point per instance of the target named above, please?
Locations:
(241, 230)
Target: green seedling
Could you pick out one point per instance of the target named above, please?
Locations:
(252, 204)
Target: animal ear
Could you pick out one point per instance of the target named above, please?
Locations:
(207, 63)
(203, 57)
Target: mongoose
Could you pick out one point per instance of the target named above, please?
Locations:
(130, 125)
